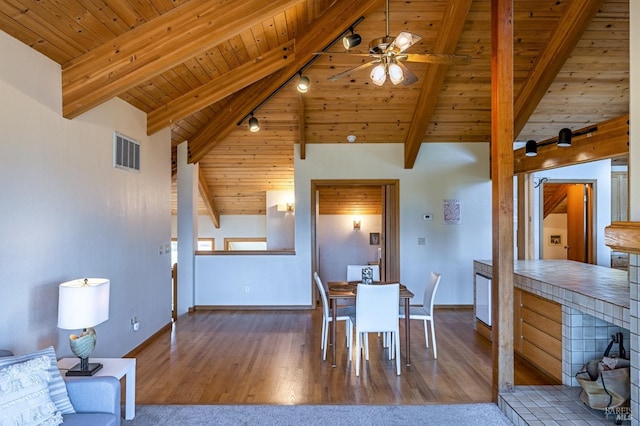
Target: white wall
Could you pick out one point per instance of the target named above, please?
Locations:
(66, 213)
(340, 245)
(442, 171)
(597, 170)
(555, 224)
(280, 225)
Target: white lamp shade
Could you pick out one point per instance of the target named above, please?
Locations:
(83, 305)
(395, 73)
(378, 74)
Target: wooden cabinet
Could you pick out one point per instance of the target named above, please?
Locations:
(537, 328)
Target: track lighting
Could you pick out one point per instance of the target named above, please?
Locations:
(303, 84)
(564, 137)
(531, 149)
(351, 40)
(254, 126)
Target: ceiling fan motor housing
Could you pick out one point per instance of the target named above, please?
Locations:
(379, 45)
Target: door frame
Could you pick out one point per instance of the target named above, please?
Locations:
(590, 218)
(392, 231)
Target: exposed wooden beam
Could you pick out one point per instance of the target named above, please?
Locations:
(220, 87)
(302, 139)
(611, 139)
(203, 188)
(502, 194)
(156, 46)
(452, 24)
(573, 22)
(322, 31)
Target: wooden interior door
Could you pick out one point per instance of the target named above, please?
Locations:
(576, 223)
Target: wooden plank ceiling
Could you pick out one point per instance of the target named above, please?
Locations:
(200, 67)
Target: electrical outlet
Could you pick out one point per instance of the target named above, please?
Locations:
(160, 250)
(247, 289)
(427, 216)
(135, 324)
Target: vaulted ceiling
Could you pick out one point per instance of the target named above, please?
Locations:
(202, 67)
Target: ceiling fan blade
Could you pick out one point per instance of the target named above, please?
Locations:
(409, 76)
(350, 70)
(403, 41)
(344, 54)
(436, 58)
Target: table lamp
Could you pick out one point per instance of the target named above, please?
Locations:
(83, 303)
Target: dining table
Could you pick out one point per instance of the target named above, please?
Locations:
(339, 290)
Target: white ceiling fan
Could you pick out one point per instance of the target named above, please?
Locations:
(389, 54)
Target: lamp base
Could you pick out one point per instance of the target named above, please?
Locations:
(78, 370)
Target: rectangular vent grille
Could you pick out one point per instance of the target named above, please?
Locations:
(126, 152)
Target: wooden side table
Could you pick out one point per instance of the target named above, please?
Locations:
(118, 368)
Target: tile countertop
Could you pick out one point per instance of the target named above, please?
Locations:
(594, 290)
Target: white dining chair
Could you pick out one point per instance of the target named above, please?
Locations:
(354, 272)
(343, 314)
(376, 311)
(425, 312)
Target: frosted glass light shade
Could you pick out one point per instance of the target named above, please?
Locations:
(83, 303)
(395, 73)
(403, 41)
(378, 74)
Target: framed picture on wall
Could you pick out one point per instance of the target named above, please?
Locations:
(555, 240)
(374, 238)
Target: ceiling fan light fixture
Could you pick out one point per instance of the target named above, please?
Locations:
(303, 84)
(564, 137)
(404, 41)
(396, 75)
(378, 74)
(531, 148)
(254, 126)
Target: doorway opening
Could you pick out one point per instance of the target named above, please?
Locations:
(336, 207)
(567, 218)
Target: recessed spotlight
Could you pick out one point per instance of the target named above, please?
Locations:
(351, 138)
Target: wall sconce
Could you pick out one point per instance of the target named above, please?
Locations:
(356, 224)
(288, 207)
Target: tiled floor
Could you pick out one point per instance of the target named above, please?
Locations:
(553, 405)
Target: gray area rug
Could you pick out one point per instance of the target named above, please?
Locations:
(456, 414)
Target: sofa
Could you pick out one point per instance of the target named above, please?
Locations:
(74, 400)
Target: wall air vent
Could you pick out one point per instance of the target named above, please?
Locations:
(126, 152)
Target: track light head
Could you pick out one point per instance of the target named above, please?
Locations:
(351, 40)
(564, 137)
(254, 126)
(303, 84)
(531, 149)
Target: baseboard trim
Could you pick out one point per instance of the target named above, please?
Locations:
(462, 307)
(252, 308)
(148, 341)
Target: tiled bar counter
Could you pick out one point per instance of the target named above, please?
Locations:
(595, 303)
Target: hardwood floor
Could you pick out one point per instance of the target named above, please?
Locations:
(274, 357)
